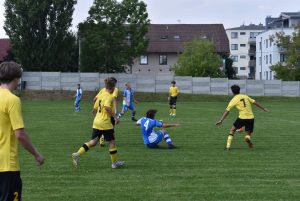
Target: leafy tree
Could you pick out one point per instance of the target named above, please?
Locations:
(290, 69)
(39, 32)
(199, 59)
(113, 35)
(229, 70)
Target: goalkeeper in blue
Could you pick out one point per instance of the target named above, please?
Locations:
(151, 137)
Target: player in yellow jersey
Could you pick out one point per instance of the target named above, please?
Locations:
(173, 93)
(115, 95)
(246, 117)
(11, 131)
(102, 125)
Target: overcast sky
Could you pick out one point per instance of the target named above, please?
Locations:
(231, 13)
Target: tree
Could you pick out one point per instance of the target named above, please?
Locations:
(113, 35)
(229, 70)
(39, 32)
(289, 69)
(199, 59)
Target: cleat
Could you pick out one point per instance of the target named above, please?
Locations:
(171, 146)
(250, 144)
(133, 119)
(117, 164)
(102, 144)
(171, 114)
(75, 157)
(227, 149)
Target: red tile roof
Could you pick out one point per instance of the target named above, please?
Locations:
(169, 38)
(4, 46)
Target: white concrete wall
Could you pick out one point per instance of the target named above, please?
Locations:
(158, 83)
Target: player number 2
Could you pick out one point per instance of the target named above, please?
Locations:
(243, 100)
(16, 194)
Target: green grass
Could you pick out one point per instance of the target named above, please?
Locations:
(199, 170)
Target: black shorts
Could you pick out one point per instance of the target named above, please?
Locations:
(248, 123)
(112, 120)
(10, 186)
(107, 134)
(173, 100)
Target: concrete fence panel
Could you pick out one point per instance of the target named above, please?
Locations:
(145, 83)
(163, 82)
(185, 83)
(219, 86)
(241, 83)
(90, 81)
(33, 80)
(272, 88)
(255, 87)
(69, 81)
(201, 85)
(290, 88)
(50, 81)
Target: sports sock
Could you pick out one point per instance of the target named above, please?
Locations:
(229, 140)
(171, 110)
(174, 110)
(84, 148)
(120, 115)
(113, 154)
(167, 139)
(132, 115)
(247, 138)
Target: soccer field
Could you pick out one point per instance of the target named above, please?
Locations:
(199, 169)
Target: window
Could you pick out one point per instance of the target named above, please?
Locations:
(270, 58)
(242, 33)
(267, 77)
(235, 58)
(282, 58)
(267, 59)
(236, 69)
(271, 42)
(144, 60)
(242, 45)
(243, 57)
(260, 61)
(271, 76)
(234, 47)
(242, 68)
(163, 60)
(267, 43)
(253, 34)
(260, 45)
(234, 34)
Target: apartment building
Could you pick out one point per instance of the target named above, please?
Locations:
(242, 42)
(268, 53)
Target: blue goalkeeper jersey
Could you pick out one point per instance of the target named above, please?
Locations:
(147, 126)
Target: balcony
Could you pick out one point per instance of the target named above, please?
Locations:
(252, 52)
(252, 63)
(252, 40)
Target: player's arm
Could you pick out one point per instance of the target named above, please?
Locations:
(138, 123)
(115, 104)
(25, 141)
(170, 125)
(260, 106)
(225, 114)
(112, 114)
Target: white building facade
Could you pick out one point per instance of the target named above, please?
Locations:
(268, 53)
(242, 42)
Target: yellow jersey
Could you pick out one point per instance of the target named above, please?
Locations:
(114, 94)
(174, 91)
(10, 120)
(243, 105)
(102, 120)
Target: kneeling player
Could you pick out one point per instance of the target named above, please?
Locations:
(246, 118)
(152, 138)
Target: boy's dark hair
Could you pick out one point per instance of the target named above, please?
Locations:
(151, 113)
(109, 83)
(9, 71)
(173, 82)
(114, 79)
(235, 89)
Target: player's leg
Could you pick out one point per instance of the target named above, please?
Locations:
(10, 186)
(167, 138)
(76, 105)
(249, 126)
(124, 108)
(171, 106)
(155, 138)
(236, 125)
(86, 146)
(109, 136)
(132, 108)
(174, 106)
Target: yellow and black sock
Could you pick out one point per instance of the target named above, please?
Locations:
(247, 138)
(171, 110)
(229, 140)
(113, 154)
(174, 110)
(84, 148)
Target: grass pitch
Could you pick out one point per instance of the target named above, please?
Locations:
(199, 169)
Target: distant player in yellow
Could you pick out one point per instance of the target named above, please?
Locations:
(11, 132)
(102, 125)
(173, 93)
(115, 95)
(246, 117)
